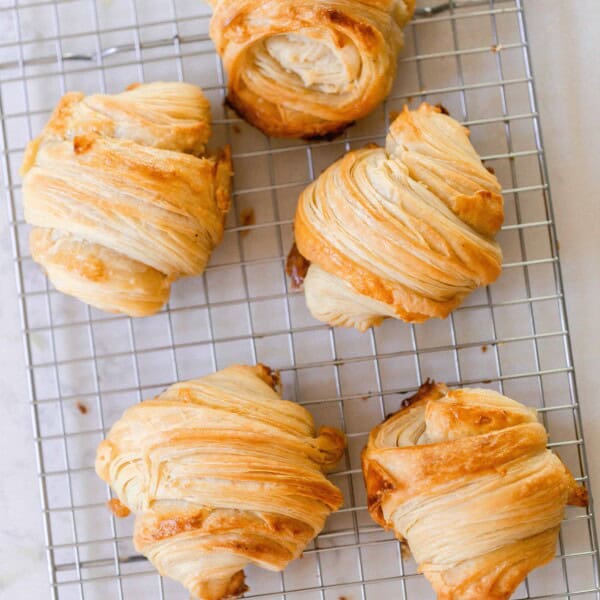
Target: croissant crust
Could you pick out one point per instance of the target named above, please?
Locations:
(221, 473)
(403, 232)
(121, 199)
(308, 69)
(464, 476)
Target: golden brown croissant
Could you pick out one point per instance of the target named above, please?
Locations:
(403, 232)
(121, 200)
(307, 69)
(221, 473)
(464, 476)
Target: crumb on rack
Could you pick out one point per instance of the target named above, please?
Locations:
(484, 348)
(82, 408)
(236, 128)
(487, 381)
(491, 170)
(496, 48)
(117, 508)
(247, 218)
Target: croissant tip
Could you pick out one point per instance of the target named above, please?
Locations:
(579, 497)
(296, 267)
(424, 390)
(104, 455)
(117, 508)
(332, 444)
(221, 589)
(328, 135)
(271, 377)
(442, 109)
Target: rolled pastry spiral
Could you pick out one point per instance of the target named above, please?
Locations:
(464, 476)
(403, 232)
(221, 473)
(121, 199)
(308, 69)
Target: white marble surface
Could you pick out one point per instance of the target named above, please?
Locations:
(564, 39)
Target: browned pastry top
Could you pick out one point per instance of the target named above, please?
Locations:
(464, 476)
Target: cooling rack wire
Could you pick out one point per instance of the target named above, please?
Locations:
(86, 367)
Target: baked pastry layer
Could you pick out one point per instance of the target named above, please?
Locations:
(464, 476)
(308, 69)
(121, 200)
(221, 472)
(405, 231)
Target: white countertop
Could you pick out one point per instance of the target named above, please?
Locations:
(565, 48)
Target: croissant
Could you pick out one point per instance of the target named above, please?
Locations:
(464, 476)
(403, 232)
(308, 69)
(221, 473)
(121, 199)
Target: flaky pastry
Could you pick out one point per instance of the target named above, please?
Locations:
(308, 69)
(464, 476)
(403, 232)
(121, 199)
(220, 473)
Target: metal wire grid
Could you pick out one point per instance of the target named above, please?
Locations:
(85, 367)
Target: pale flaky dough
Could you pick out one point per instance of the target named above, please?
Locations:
(464, 476)
(221, 473)
(405, 231)
(307, 69)
(121, 199)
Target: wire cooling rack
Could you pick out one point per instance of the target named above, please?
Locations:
(86, 367)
